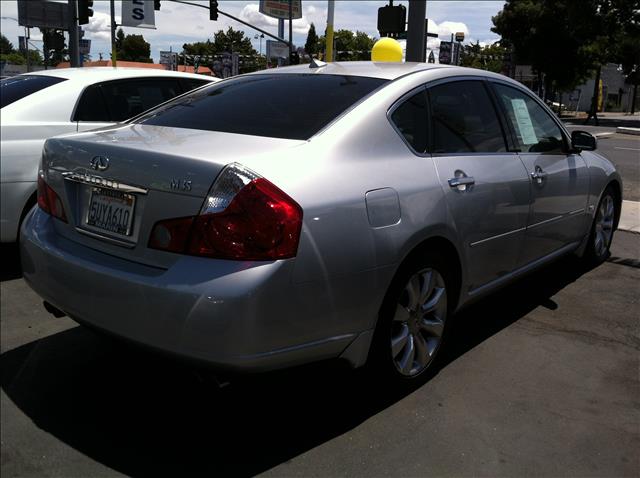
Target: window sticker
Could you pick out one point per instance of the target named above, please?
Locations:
(527, 133)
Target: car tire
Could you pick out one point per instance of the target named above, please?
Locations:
(602, 229)
(412, 321)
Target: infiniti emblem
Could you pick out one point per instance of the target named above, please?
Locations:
(100, 163)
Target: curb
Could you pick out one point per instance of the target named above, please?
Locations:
(626, 130)
(630, 217)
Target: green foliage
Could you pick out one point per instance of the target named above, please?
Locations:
(352, 47)
(229, 42)
(311, 45)
(132, 48)
(489, 57)
(5, 45)
(568, 39)
(13, 58)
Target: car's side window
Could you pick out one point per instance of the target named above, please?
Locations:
(91, 106)
(128, 98)
(191, 84)
(535, 130)
(410, 118)
(464, 119)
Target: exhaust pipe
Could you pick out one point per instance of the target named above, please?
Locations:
(57, 313)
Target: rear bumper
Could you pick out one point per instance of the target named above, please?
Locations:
(232, 315)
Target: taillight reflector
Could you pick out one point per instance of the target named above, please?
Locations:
(49, 201)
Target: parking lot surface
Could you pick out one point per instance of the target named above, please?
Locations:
(540, 379)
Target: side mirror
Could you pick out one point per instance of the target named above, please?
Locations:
(581, 140)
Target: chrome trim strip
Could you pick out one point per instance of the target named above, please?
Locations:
(577, 211)
(85, 178)
(546, 221)
(497, 237)
(118, 242)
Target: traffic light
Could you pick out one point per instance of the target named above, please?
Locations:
(156, 4)
(84, 11)
(294, 58)
(392, 20)
(213, 10)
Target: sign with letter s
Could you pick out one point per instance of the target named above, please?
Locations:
(138, 13)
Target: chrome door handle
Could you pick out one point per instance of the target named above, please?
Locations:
(461, 181)
(539, 175)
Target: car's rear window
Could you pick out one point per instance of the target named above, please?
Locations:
(18, 87)
(292, 106)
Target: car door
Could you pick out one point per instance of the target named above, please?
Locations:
(114, 101)
(559, 178)
(486, 186)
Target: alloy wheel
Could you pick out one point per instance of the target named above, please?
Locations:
(604, 226)
(418, 322)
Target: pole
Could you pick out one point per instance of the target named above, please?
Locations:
(329, 45)
(114, 61)
(416, 30)
(280, 35)
(74, 47)
(290, 28)
(26, 45)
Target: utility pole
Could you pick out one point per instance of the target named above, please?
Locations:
(280, 35)
(416, 30)
(113, 34)
(74, 47)
(290, 29)
(331, 4)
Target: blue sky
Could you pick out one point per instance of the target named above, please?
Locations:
(178, 24)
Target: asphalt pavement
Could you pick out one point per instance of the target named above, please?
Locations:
(540, 379)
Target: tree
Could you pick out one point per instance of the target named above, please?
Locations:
(132, 48)
(489, 57)
(5, 45)
(231, 41)
(362, 46)
(311, 45)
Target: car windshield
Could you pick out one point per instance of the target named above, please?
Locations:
(291, 106)
(21, 86)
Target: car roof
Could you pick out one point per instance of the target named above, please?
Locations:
(372, 69)
(101, 73)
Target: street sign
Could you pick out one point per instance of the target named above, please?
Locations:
(169, 59)
(432, 59)
(85, 47)
(40, 13)
(22, 44)
(459, 36)
(277, 49)
(138, 13)
(444, 57)
(280, 9)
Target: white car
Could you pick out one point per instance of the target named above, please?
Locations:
(36, 106)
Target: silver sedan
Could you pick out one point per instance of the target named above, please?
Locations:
(313, 212)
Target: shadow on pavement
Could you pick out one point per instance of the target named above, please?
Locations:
(10, 260)
(145, 415)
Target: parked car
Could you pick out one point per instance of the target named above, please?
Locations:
(38, 105)
(338, 211)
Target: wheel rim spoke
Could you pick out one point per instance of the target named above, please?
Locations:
(425, 290)
(432, 327)
(434, 301)
(422, 354)
(399, 341)
(413, 292)
(406, 362)
(402, 314)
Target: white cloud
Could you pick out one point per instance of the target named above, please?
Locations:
(98, 27)
(251, 14)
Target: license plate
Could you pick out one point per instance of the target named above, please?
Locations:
(111, 211)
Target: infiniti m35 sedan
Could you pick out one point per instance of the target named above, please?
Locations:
(313, 212)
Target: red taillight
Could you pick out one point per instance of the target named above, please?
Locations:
(49, 201)
(259, 222)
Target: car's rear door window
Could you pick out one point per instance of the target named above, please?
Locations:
(293, 106)
(128, 98)
(410, 119)
(92, 106)
(464, 119)
(534, 129)
(21, 86)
